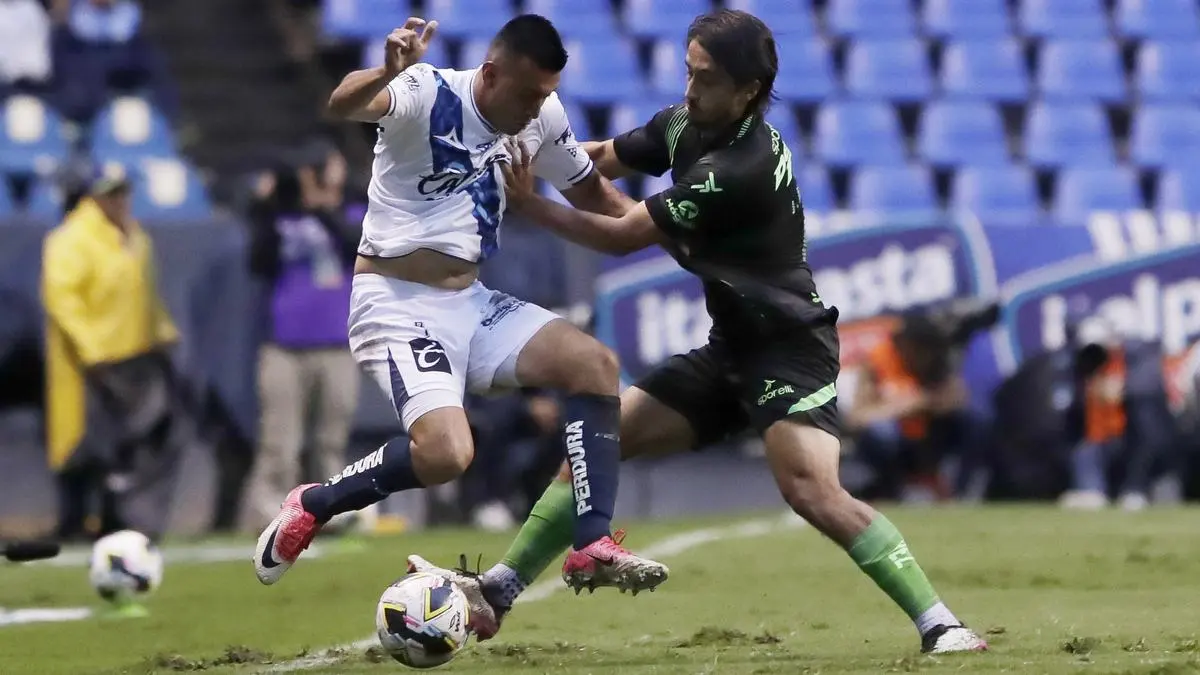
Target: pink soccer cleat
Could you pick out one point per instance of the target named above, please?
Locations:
(285, 538)
(605, 562)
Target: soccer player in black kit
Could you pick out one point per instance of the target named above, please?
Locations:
(734, 218)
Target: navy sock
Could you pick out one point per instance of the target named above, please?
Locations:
(594, 455)
(367, 481)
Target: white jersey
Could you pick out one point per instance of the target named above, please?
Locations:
(435, 183)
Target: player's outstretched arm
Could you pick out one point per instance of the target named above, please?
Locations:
(362, 95)
(605, 158)
(621, 235)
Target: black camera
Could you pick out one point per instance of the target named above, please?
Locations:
(937, 335)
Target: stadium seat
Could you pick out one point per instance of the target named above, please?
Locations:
(896, 70)
(1059, 134)
(577, 19)
(953, 133)
(1079, 69)
(437, 55)
(469, 18)
(1002, 195)
(31, 136)
(870, 18)
(45, 201)
(993, 70)
(976, 19)
(1158, 19)
(1165, 135)
(602, 71)
(805, 71)
(632, 114)
(854, 132)
(1179, 189)
(816, 192)
(166, 189)
(129, 128)
(1085, 189)
(668, 70)
(783, 120)
(787, 18)
(1169, 71)
(892, 189)
(6, 201)
(1062, 19)
(361, 19)
(580, 121)
(662, 19)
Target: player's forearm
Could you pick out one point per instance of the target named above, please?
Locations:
(592, 230)
(358, 89)
(605, 158)
(598, 195)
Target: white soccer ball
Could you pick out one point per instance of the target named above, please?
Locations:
(125, 565)
(422, 619)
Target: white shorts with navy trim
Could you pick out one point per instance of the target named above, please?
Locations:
(426, 346)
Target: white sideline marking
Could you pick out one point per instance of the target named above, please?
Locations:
(663, 548)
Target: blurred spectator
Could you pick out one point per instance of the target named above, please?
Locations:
(24, 45)
(108, 338)
(911, 412)
(303, 249)
(517, 444)
(101, 49)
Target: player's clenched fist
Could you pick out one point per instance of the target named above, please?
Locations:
(407, 45)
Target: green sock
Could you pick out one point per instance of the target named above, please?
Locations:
(882, 554)
(544, 536)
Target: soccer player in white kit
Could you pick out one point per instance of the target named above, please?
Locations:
(423, 327)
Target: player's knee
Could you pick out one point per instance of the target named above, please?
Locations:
(593, 369)
(441, 452)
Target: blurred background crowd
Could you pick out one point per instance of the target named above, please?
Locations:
(1002, 197)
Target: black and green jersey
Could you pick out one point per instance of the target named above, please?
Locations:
(734, 218)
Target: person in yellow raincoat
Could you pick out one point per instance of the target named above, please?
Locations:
(108, 336)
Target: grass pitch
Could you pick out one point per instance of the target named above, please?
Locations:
(1055, 592)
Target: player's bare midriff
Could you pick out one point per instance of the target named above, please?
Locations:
(423, 266)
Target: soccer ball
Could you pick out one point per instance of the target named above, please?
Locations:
(125, 565)
(422, 619)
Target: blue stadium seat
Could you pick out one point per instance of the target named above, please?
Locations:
(1158, 19)
(129, 128)
(469, 18)
(45, 201)
(577, 19)
(580, 122)
(166, 189)
(896, 70)
(1169, 70)
(993, 70)
(1179, 189)
(1002, 195)
(856, 132)
(1063, 19)
(1084, 189)
(787, 18)
(7, 207)
(782, 118)
(1060, 134)
(1165, 135)
(662, 19)
(903, 188)
(975, 19)
(628, 115)
(437, 55)
(363, 18)
(816, 191)
(953, 133)
(31, 136)
(668, 70)
(870, 18)
(805, 71)
(1083, 69)
(602, 71)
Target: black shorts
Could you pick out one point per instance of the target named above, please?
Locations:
(723, 389)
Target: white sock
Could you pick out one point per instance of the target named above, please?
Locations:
(505, 578)
(935, 616)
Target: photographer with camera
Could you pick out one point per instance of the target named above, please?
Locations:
(911, 409)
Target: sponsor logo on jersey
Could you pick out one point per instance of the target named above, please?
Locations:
(445, 183)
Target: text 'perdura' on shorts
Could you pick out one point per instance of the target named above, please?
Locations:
(722, 389)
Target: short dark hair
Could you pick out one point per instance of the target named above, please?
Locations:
(742, 45)
(535, 38)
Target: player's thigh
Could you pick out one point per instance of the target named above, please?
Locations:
(413, 341)
(519, 344)
(685, 403)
